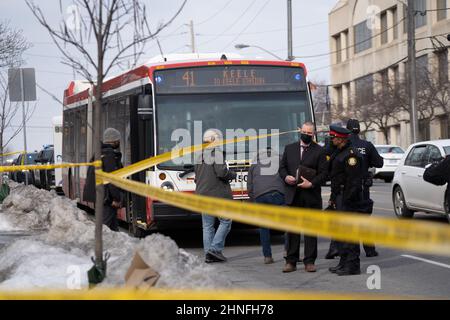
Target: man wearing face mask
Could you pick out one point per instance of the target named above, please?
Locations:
(303, 158)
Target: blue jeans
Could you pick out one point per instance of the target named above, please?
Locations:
(212, 239)
(274, 198)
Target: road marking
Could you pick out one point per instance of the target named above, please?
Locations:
(427, 261)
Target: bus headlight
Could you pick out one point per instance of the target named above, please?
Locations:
(168, 186)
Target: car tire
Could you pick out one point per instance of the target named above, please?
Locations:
(400, 208)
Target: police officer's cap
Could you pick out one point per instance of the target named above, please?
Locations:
(338, 131)
(353, 125)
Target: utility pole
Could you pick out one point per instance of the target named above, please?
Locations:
(412, 71)
(191, 27)
(289, 30)
(24, 124)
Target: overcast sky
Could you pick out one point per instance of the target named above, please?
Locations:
(218, 26)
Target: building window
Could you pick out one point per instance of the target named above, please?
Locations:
(443, 66)
(384, 27)
(345, 34)
(363, 37)
(422, 75)
(395, 22)
(339, 97)
(396, 72)
(444, 124)
(424, 129)
(364, 90)
(441, 10)
(384, 75)
(337, 40)
(421, 15)
(420, 6)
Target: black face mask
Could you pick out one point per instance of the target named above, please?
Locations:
(306, 138)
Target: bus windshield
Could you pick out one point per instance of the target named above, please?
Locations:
(284, 111)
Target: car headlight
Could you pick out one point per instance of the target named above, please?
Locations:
(168, 186)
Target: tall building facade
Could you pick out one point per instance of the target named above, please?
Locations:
(369, 48)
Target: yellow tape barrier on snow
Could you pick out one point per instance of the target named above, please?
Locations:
(96, 164)
(416, 236)
(186, 294)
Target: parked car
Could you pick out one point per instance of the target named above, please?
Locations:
(410, 193)
(392, 156)
(44, 179)
(19, 176)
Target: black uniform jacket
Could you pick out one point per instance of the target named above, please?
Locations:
(369, 154)
(314, 157)
(346, 172)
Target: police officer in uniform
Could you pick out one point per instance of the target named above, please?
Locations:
(370, 159)
(346, 174)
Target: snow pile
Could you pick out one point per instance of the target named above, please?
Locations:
(60, 256)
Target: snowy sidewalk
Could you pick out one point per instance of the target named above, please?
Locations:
(55, 257)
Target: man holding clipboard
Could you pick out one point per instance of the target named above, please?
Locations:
(303, 168)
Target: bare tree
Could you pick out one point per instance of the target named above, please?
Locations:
(12, 45)
(8, 111)
(103, 21)
(321, 103)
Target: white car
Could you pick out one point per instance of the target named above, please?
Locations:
(410, 193)
(392, 156)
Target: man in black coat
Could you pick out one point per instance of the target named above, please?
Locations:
(301, 192)
(111, 161)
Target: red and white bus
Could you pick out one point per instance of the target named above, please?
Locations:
(147, 104)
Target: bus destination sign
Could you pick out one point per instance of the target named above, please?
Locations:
(229, 79)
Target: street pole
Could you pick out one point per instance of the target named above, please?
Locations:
(191, 26)
(22, 92)
(412, 71)
(289, 30)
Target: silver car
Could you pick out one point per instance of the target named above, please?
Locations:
(410, 193)
(392, 156)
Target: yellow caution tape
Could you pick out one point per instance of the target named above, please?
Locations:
(151, 162)
(416, 236)
(188, 294)
(11, 153)
(96, 164)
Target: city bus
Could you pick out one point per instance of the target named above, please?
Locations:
(149, 103)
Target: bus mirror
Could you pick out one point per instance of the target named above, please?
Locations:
(145, 107)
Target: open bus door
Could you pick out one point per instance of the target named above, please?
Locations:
(141, 118)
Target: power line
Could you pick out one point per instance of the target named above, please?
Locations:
(231, 25)
(248, 25)
(261, 32)
(216, 13)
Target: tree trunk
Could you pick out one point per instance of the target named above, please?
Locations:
(386, 134)
(99, 189)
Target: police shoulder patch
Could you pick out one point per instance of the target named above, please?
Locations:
(328, 158)
(352, 161)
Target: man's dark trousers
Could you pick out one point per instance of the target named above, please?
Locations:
(110, 218)
(348, 251)
(293, 240)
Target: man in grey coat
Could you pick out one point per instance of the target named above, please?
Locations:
(212, 178)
